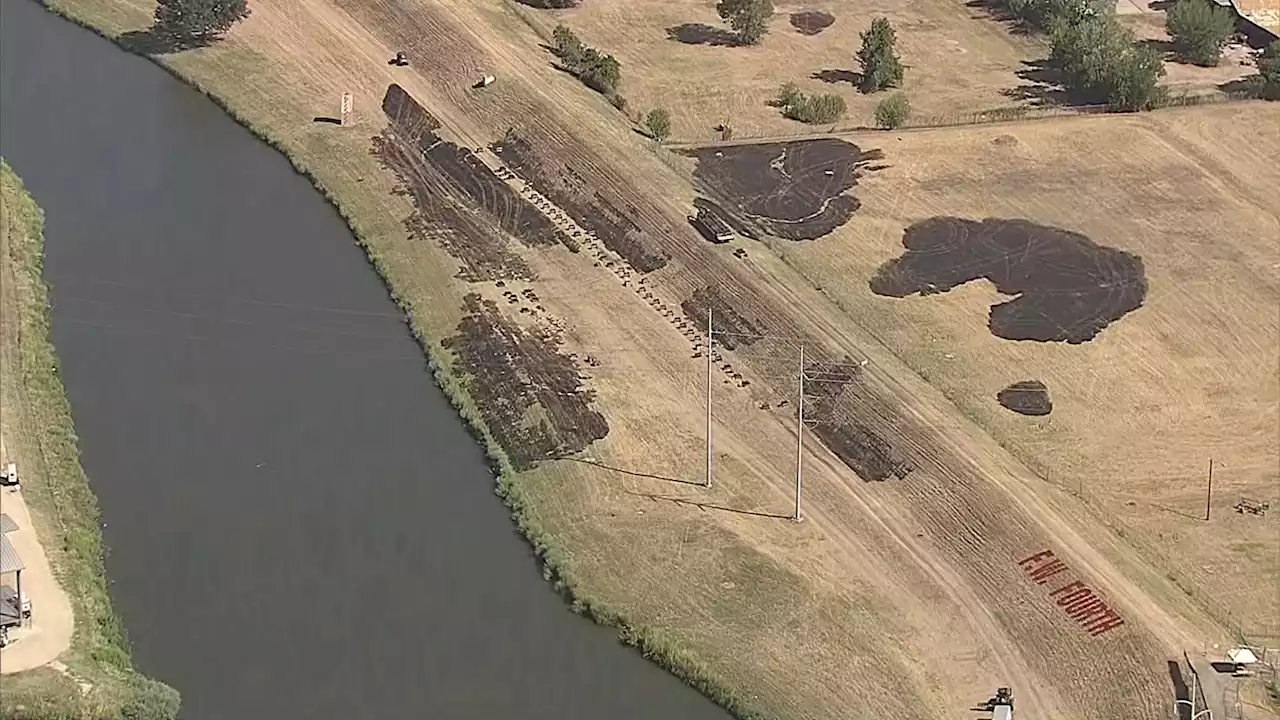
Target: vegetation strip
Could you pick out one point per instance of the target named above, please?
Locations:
(60, 498)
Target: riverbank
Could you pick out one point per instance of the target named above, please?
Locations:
(98, 681)
(420, 280)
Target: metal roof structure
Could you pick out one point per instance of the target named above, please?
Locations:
(9, 560)
(7, 524)
(1263, 13)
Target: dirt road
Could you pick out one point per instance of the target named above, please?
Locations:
(52, 622)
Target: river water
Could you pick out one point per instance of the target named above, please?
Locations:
(299, 525)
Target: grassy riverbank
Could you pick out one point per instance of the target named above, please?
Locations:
(99, 681)
(420, 279)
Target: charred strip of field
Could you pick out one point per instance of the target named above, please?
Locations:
(586, 206)
(737, 329)
(468, 177)
(831, 414)
(530, 393)
(1069, 288)
(792, 190)
(482, 252)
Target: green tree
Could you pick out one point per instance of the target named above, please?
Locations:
(881, 67)
(893, 111)
(658, 123)
(1269, 67)
(1199, 30)
(198, 22)
(1134, 82)
(567, 46)
(1104, 62)
(748, 18)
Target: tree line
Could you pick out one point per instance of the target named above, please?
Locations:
(599, 71)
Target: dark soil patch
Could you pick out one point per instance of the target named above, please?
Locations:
(564, 187)
(793, 190)
(468, 177)
(725, 318)
(702, 34)
(811, 22)
(1068, 287)
(1028, 397)
(530, 394)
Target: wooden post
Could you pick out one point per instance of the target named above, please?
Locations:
(1208, 495)
(346, 109)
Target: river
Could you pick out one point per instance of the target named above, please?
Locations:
(299, 525)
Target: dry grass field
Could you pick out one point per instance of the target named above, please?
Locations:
(1139, 410)
(904, 596)
(958, 59)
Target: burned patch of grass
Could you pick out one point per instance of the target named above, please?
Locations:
(1068, 287)
(568, 190)
(529, 393)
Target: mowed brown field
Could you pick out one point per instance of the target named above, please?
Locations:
(674, 55)
(1139, 410)
(903, 596)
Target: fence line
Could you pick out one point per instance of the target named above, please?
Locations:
(1016, 113)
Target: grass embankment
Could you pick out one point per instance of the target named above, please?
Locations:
(39, 431)
(277, 107)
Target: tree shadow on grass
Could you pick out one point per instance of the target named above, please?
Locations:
(994, 10)
(703, 34)
(831, 76)
(1251, 86)
(1166, 48)
(1043, 85)
(154, 42)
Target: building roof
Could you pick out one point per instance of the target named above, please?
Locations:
(9, 560)
(1263, 13)
(7, 524)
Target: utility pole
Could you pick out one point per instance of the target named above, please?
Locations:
(800, 436)
(1208, 496)
(709, 455)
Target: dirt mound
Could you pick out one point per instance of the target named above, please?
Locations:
(561, 185)
(794, 190)
(530, 394)
(811, 22)
(1027, 397)
(1069, 288)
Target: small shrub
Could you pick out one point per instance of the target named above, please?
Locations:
(1269, 68)
(815, 109)
(658, 124)
(151, 700)
(893, 111)
(788, 95)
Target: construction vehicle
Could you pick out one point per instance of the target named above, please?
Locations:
(1002, 704)
(711, 226)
